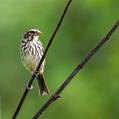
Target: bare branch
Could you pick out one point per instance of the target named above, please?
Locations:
(40, 63)
(55, 96)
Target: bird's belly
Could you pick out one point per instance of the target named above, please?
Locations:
(30, 63)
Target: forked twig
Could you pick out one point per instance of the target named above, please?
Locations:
(40, 63)
(55, 96)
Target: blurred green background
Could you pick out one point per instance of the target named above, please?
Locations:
(94, 92)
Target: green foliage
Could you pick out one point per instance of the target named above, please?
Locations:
(93, 94)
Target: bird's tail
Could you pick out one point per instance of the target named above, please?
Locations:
(43, 89)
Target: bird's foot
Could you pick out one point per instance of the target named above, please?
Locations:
(29, 87)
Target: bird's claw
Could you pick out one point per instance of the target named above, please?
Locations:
(36, 73)
(29, 87)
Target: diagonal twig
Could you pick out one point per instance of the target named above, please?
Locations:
(55, 96)
(40, 63)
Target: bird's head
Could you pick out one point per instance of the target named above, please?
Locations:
(32, 34)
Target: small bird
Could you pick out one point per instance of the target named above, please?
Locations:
(31, 51)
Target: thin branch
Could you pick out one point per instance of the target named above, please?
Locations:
(55, 96)
(40, 63)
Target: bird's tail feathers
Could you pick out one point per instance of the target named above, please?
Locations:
(43, 89)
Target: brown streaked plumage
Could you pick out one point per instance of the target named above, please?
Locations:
(31, 53)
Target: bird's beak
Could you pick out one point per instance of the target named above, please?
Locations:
(38, 33)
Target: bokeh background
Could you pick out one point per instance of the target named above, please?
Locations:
(94, 92)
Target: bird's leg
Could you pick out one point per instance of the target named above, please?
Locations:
(27, 85)
(35, 72)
